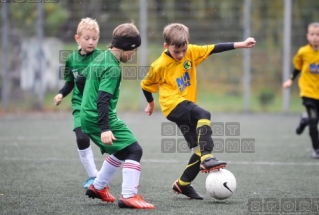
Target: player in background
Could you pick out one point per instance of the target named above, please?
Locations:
(173, 74)
(101, 82)
(87, 37)
(306, 62)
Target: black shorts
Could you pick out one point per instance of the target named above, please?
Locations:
(181, 115)
(311, 105)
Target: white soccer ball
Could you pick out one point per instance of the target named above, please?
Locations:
(221, 184)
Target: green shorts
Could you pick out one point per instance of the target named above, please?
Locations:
(76, 119)
(124, 137)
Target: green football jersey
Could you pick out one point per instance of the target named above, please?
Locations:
(74, 66)
(103, 74)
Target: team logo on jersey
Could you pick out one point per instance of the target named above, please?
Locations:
(75, 73)
(187, 65)
(183, 81)
(314, 68)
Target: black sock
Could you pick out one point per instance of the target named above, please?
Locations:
(205, 142)
(191, 170)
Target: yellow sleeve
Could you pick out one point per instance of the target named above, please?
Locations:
(200, 53)
(151, 81)
(297, 60)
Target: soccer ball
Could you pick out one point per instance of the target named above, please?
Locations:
(221, 184)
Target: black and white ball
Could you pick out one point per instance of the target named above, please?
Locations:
(221, 184)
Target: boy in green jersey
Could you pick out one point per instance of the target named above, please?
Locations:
(87, 37)
(102, 79)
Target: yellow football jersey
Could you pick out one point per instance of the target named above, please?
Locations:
(307, 61)
(176, 81)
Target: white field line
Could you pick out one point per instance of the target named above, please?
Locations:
(167, 161)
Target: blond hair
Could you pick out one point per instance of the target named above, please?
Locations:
(314, 24)
(176, 34)
(88, 24)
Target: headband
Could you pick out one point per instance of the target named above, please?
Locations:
(126, 43)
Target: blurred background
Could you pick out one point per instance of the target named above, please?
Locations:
(36, 34)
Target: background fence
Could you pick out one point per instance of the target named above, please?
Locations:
(27, 84)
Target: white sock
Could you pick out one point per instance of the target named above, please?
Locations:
(131, 178)
(107, 172)
(87, 159)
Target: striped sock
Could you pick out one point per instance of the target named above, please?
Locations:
(107, 172)
(131, 177)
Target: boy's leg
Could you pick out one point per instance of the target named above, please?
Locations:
(131, 177)
(86, 156)
(183, 184)
(205, 141)
(312, 110)
(198, 133)
(304, 121)
(100, 187)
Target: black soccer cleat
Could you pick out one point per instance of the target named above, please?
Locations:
(187, 190)
(304, 121)
(211, 164)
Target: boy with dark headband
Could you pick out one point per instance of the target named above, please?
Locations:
(306, 63)
(102, 79)
(174, 75)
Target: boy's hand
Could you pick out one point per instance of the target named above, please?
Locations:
(287, 84)
(107, 137)
(58, 99)
(150, 108)
(248, 43)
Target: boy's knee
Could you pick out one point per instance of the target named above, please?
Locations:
(83, 142)
(132, 152)
(204, 114)
(138, 151)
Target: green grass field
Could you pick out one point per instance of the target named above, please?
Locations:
(42, 174)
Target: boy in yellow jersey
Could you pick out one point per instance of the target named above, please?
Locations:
(306, 61)
(174, 75)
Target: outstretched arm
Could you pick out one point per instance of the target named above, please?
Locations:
(221, 47)
(248, 43)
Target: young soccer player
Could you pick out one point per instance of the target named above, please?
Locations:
(100, 121)
(174, 75)
(306, 62)
(87, 37)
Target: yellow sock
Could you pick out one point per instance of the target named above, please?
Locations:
(205, 156)
(183, 183)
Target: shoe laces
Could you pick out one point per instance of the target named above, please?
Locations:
(139, 197)
(105, 192)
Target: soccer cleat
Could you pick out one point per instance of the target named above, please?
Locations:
(136, 202)
(211, 164)
(303, 123)
(187, 190)
(88, 182)
(103, 194)
(315, 154)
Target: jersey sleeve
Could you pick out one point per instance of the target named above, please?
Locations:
(297, 60)
(200, 53)
(110, 79)
(151, 81)
(68, 74)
